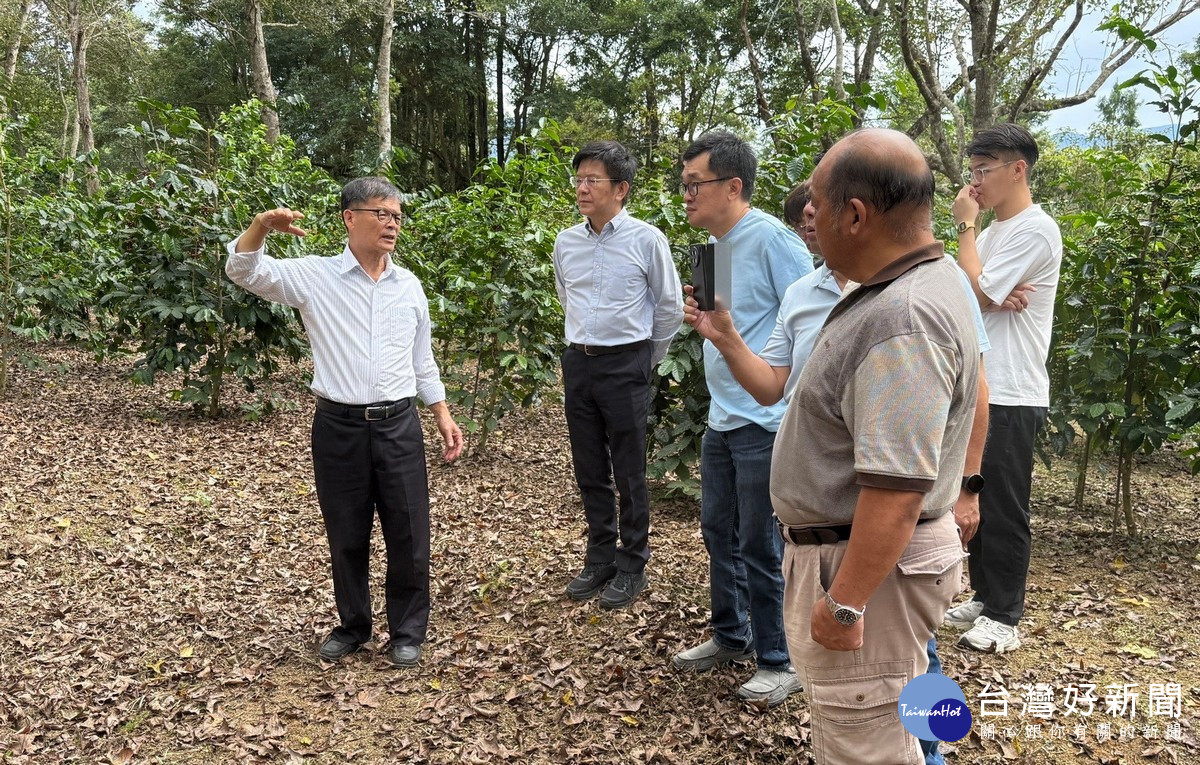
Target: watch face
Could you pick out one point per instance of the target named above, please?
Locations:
(846, 616)
(973, 483)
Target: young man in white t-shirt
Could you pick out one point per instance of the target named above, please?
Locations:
(1013, 267)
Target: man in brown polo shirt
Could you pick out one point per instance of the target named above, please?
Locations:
(889, 395)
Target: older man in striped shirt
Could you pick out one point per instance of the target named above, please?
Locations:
(368, 321)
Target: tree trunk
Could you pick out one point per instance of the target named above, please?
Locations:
(1127, 496)
(14, 48)
(500, 40)
(653, 123)
(839, 46)
(383, 88)
(481, 101)
(468, 114)
(760, 95)
(260, 72)
(1085, 455)
(83, 98)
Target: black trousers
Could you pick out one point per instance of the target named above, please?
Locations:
(367, 467)
(999, 562)
(606, 402)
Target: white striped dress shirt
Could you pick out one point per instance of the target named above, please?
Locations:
(371, 341)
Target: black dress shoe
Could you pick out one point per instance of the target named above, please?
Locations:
(335, 648)
(404, 655)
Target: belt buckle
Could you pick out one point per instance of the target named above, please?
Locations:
(586, 352)
(382, 410)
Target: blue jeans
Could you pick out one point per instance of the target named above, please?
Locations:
(745, 551)
(930, 748)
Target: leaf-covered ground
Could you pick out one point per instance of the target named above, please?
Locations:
(164, 582)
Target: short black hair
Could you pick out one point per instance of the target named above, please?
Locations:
(795, 202)
(1007, 138)
(618, 163)
(728, 157)
(360, 190)
(884, 185)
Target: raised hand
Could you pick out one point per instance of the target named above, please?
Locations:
(281, 219)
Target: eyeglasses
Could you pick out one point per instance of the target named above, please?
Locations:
(381, 215)
(692, 188)
(588, 181)
(978, 174)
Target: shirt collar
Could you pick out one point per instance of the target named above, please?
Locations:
(347, 263)
(887, 275)
(614, 224)
(828, 281)
(907, 262)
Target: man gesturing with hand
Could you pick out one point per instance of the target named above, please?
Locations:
(368, 321)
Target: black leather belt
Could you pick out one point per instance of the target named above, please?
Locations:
(370, 412)
(604, 350)
(819, 535)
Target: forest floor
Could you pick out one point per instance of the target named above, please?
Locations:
(164, 583)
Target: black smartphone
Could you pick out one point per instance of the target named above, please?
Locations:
(703, 259)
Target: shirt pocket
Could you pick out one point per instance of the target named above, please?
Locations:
(625, 283)
(398, 333)
(400, 326)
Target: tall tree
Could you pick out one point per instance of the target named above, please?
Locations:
(1001, 75)
(383, 86)
(13, 50)
(260, 71)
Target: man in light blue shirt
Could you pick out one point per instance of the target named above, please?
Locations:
(620, 293)
(746, 581)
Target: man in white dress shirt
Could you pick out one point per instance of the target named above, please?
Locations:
(368, 321)
(621, 295)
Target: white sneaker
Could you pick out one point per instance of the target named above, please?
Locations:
(772, 685)
(990, 636)
(964, 615)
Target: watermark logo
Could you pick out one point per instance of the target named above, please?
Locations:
(934, 708)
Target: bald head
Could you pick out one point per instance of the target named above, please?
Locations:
(886, 170)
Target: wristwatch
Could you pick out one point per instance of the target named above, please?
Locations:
(845, 615)
(973, 483)
(962, 227)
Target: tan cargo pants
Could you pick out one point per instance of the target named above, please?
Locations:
(853, 695)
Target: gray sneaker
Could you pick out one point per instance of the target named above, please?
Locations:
(771, 685)
(709, 654)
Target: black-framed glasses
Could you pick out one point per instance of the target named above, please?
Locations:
(692, 188)
(381, 214)
(588, 181)
(978, 174)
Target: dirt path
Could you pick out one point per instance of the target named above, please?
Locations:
(164, 582)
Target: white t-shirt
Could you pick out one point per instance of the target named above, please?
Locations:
(1026, 248)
